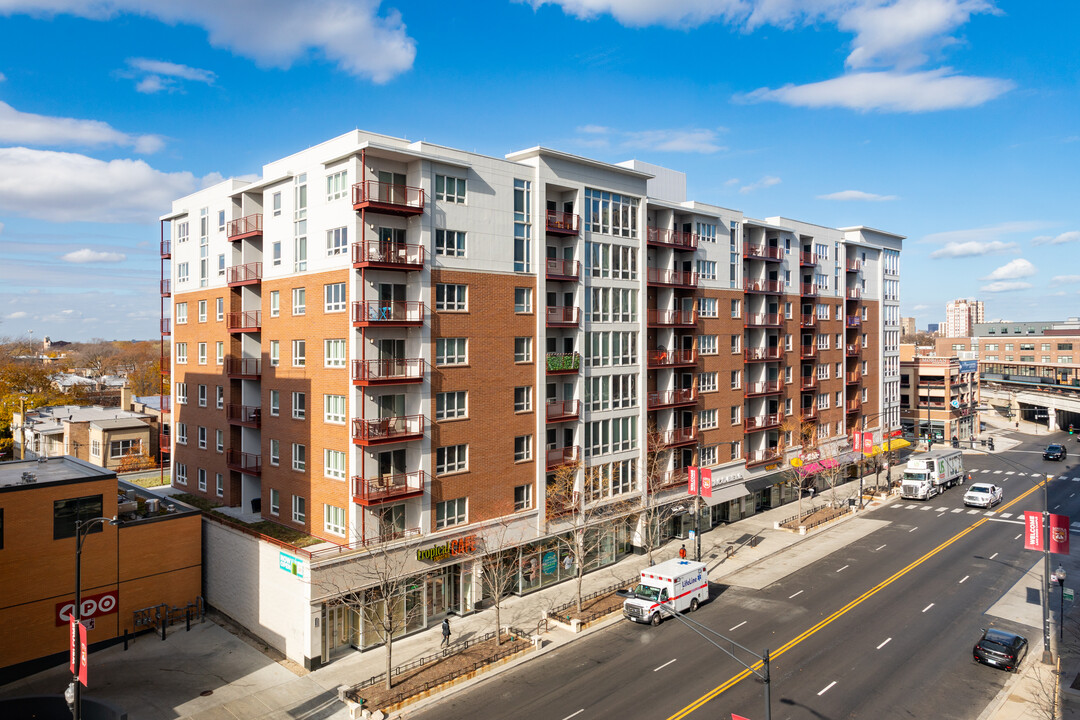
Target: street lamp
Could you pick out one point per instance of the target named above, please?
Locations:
(1048, 657)
(862, 453)
(1059, 577)
(82, 528)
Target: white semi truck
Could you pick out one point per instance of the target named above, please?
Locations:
(679, 585)
(931, 473)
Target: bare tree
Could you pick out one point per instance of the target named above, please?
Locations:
(98, 356)
(658, 477)
(499, 568)
(832, 472)
(803, 439)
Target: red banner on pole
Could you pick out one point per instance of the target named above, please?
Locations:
(1032, 530)
(706, 482)
(691, 474)
(868, 443)
(74, 633)
(82, 654)
(1059, 534)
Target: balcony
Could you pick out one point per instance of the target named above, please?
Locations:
(672, 358)
(808, 321)
(388, 488)
(771, 354)
(808, 289)
(853, 377)
(670, 479)
(166, 249)
(244, 321)
(853, 321)
(853, 265)
(164, 442)
(769, 253)
(852, 350)
(243, 368)
(247, 274)
(563, 363)
(671, 238)
(166, 326)
(562, 223)
(854, 293)
(390, 371)
(249, 463)
(565, 270)
(808, 413)
(762, 320)
(766, 387)
(563, 410)
(672, 318)
(387, 198)
(246, 415)
(560, 316)
(772, 287)
(245, 227)
(166, 288)
(807, 258)
(761, 422)
(381, 431)
(557, 457)
(387, 255)
(675, 438)
(762, 457)
(808, 351)
(396, 313)
(672, 278)
(671, 398)
(808, 382)
(854, 405)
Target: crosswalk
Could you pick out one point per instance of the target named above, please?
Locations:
(942, 510)
(1007, 473)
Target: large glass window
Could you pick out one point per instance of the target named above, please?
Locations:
(67, 512)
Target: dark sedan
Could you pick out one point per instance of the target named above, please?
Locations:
(1054, 452)
(1000, 648)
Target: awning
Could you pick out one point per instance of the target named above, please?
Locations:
(726, 493)
(818, 466)
(760, 483)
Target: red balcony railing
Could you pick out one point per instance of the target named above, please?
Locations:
(854, 293)
(809, 412)
(561, 223)
(250, 463)
(387, 430)
(808, 289)
(675, 278)
(762, 252)
(166, 249)
(244, 321)
(808, 382)
(853, 321)
(247, 274)
(761, 457)
(387, 255)
(247, 226)
(807, 258)
(808, 351)
(388, 198)
(853, 265)
(766, 387)
(396, 313)
(675, 437)
(390, 371)
(386, 488)
(669, 479)
(671, 398)
(562, 410)
(762, 320)
(554, 457)
(672, 318)
(854, 405)
(770, 354)
(243, 368)
(246, 415)
(166, 326)
(166, 288)
(763, 286)
(671, 238)
(853, 377)
(808, 321)
(557, 269)
(852, 350)
(761, 422)
(559, 316)
(672, 358)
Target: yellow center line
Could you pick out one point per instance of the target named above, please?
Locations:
(842, 611)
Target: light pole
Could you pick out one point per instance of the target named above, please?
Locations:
(862, 453)
(1048, 657)
(1059, 576)
(82, 529)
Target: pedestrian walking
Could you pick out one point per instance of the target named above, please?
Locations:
(445, 633)
(682, 553)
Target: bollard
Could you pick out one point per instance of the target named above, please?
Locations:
(162, 623)
(126, 635)
(187, 617)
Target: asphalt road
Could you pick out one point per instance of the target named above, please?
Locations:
(881, 628)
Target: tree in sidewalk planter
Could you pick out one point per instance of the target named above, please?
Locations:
(658, 477)
(498, 569)
(802, 445)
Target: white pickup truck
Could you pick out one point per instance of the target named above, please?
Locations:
(679, 585)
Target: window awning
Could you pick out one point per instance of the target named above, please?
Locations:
(760, 483)
(726, 493)
(888, 445)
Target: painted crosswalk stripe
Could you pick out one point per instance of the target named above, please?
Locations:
(1010, 472)
(1006, 515)
(989, 513)
(972, 512)
(958, 510)
(997, 472)
(942, 509)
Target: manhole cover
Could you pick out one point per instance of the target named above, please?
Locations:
(206, 693)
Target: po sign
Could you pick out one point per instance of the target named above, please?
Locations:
(93, 606)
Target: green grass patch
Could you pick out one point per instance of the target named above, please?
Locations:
(149, 482)
(265, 527)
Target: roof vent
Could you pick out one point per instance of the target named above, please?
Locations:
(29, 478)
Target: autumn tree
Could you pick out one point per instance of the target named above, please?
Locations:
(98, 356)
(25, 382)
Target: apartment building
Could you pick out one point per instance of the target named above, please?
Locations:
(386, 343)
(961, 316)
(939, 392)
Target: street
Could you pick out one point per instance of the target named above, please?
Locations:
(882, 627)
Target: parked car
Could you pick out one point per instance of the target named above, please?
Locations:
(1000, 648)
(983, 495)
(1055, 452)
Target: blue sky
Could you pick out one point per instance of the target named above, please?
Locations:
(953, 122)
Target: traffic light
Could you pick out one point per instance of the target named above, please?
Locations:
(1070, 428)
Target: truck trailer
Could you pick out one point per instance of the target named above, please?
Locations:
(679, 585)
(931, 473)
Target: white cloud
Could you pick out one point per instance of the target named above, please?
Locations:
(857, 195)
(767, 181)
(888, 91)
(86, 255)
(920, 308)
(732, 181)
(1065, 237)
(30, 129)
(1006, 286)
(990, 232)
(1011, 270)
(274, 33)
(158, 75)
(594, 129)
(3, 77)
(1064, 279)
(16, 315)
(67, 187)
(972, 248)
(692, 140)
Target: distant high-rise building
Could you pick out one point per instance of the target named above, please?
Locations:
(907, 326)
(933, 327)
(960, 315)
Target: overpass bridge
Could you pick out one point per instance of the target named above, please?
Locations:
(1051, 405)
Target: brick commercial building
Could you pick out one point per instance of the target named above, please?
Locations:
(386, 343)
(939, 393)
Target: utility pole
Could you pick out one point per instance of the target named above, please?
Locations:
(1048, 657)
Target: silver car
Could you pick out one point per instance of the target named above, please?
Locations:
(983, 495)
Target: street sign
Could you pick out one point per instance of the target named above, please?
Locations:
(1068, 594)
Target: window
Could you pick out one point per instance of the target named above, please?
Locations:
(451, 459)
(450, 512)
(707, 420)
(736, 414)
(334, 409)
(219, 351)
(708, 307)
(611, 213)
(202, 353)
(522, 300)
(219, 485)
(275, 303)
(522, 497)
(299, 457)
(708, 456)
(299, 405)
(450, 405)
(299, 301)
(299, 353)
(337, 241)
(219, 440)
(707, 344)
(275, 353)
(202, 437)
(787, 310)
(334, 353)
(523, 398)
(181, 434)
(68, 511)
(736, 379)
(95, 448)
(275, 252)
(219, 396)
(707, 382)
(275, 451)
(182, 273)
(450, 351)
(180, 476)
(299, 509)
(736, 344)
(334, 464)
(450, 189)
(202, 396)
(522, 349)
(275, 495)
(182, 232)
(450, 297)
(334, 520)
(181, 393)
(276, 204)
(523, 448)
(337, 185)
(181, 353)
(120, 448)
(706, 269)
(202, 479)
(336, 298)
(202, 311)
(522, 225)
(450, 243)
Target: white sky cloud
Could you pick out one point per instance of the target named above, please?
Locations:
(692, 140)
(67, 187)
(86, 255)
(29, 129)
(856, 195)
(274, 33)
(767, 181)
(16, 315)
(888, 91)
(987, 233)
(1064, 279)
(157, 75)
(1065, 237)
(1006, 286)
(973, 248)
(1012, 270)
(3, 77)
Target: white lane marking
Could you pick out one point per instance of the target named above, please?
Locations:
(791, 596)
(744, 622)
(1006, 515)
(964, 578)
(913, 529)
(1014, 522)
(876, 549)
(926, 507)
(883, 644)
(575, 714)
(663, 666)
(997, 472)
(972, 512)
(989, 513)
(1076, 479)
(1071, 494)
(1010, 472)
(1057, 506)
(843, 568)
(1018, 536)
(928, 607)
(993, 556)
(826, 688)
(958, 510)
(942, 509)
